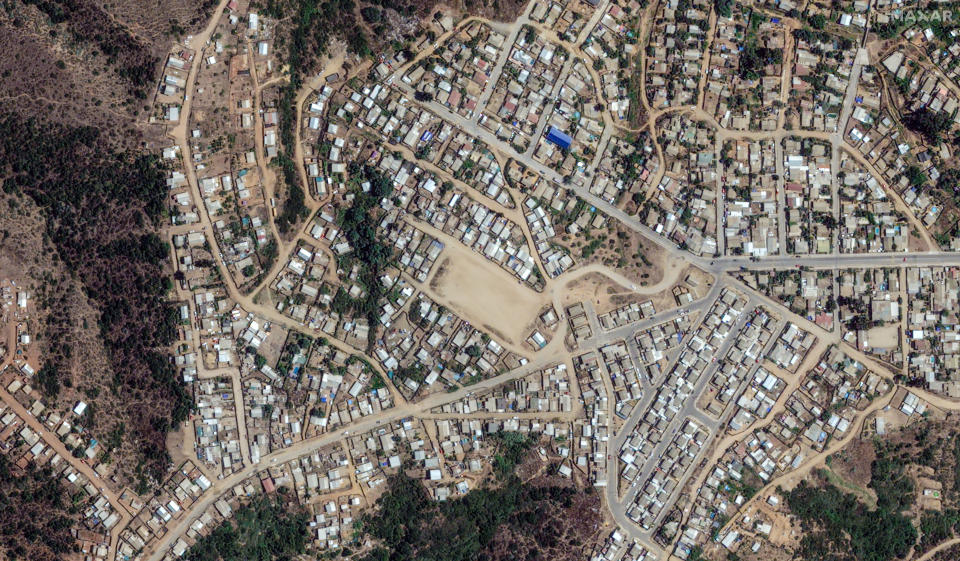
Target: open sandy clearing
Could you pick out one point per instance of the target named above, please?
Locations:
(885, 337)
(492, 298)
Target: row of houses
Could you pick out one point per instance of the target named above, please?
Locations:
(744, 72)
(676, 48)
(819, 409)
(592, 446)
(751, 209)
(809, 294)
(671, 397)
(683, 207)
(654, 493)
(614, 34)
(460, 68)
(932, 334)
(745, 354)
(544, 391)
(521, 98)
(809, 192)
(432, 344)
(164, 509)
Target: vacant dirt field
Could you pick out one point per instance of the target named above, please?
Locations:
(475, 288)
(643, 262)
(885, 337)
(597, 288)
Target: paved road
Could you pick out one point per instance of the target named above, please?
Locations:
(687, 411)
(847, 260)
(617, 505)
(601, 337)
(720, 264)
(715, 426)
(366, 424)
(717, 266)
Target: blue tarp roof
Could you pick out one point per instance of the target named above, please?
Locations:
(559, 138)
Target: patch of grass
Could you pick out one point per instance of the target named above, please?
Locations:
(865, 495)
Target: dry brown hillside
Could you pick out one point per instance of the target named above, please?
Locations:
(83, 206)
(86, 62)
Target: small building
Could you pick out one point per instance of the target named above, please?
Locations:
(560, 138)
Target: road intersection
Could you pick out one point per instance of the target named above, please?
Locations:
(723, 268)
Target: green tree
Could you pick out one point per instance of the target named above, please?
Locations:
(817, 21)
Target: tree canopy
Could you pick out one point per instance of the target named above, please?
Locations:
(930, 124)
(264, 530)
(839, 527)
(101, 208)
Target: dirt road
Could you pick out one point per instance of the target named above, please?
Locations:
(482, 292)
(941, 547)
(53, 441)
(369, 423)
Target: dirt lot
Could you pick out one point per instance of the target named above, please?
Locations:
(594, 287)
(607, 294)
(640, 260)
(886, 337)
(474, 288)
(915, 243)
